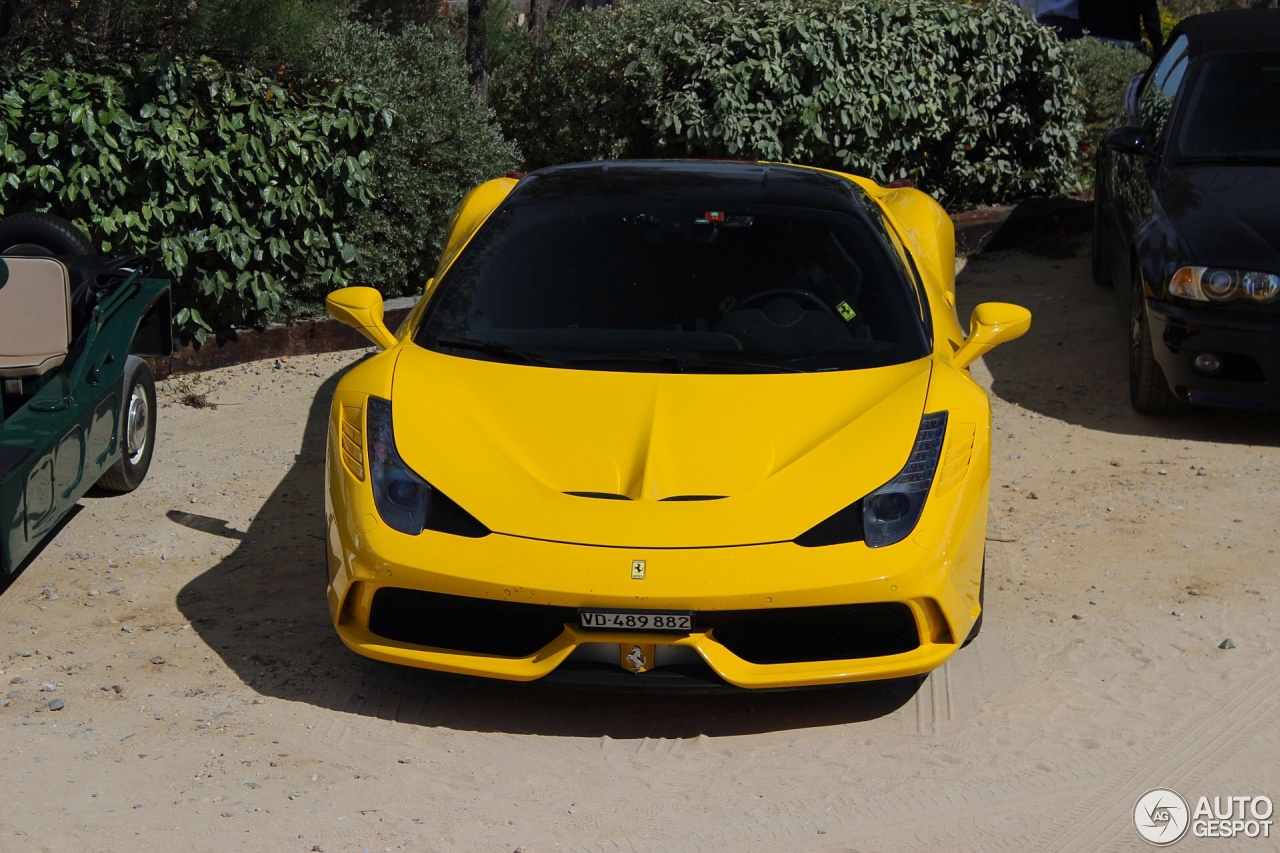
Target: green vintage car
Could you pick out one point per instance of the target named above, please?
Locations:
(77, 402)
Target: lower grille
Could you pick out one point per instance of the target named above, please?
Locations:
(795, 634)
(461, 624)
(508, 629)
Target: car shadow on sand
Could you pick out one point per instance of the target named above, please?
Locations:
(263, 610)
(1073, 363)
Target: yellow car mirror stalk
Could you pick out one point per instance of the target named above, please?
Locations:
(992, 324)
(361, 309)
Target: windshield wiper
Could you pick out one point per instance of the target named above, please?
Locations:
(495, 348)
(684, 364)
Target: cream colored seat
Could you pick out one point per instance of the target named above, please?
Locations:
(35, 317)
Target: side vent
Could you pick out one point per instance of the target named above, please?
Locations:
(955, 462)
(352, 440)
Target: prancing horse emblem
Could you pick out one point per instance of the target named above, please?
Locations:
(637, 570)
(637, 659)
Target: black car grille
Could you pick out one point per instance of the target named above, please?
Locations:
(476, 625)
(508, 629)
(795, 634)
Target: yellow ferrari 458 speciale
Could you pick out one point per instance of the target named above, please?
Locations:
(669, 424)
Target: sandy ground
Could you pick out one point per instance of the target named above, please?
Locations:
(206, 704)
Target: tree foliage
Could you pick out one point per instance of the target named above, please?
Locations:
(441, 142)
(267, 33)
(235, 186)
(975, 103)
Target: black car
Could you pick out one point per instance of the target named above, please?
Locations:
(1187, 211)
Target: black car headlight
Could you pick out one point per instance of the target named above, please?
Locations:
(406, 501)
(890, 513)
(402, 497)
(1217, 284)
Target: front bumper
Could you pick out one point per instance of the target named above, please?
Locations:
(765, 616)
(1248, 344)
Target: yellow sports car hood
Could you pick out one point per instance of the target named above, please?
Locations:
(653, 460)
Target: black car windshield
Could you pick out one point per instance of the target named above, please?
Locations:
(671, 285)
(1233, 109)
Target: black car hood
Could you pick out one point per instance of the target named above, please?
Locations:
(1226, 215)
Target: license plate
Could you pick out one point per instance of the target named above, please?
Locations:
(636, 620)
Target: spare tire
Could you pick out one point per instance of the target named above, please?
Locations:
(42, 234)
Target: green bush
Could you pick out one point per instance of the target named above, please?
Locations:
(440, 143)
(266, 32)
(233, 184)
(1104, 70)
(975, 103)
(587, 90)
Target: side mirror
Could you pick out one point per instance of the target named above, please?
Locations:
(992, 324)
(361, 309)
(4, 273)
(1129, 139)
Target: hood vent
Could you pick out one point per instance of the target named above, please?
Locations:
(610, 496)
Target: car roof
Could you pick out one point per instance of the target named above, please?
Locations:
(701, 181)
(1239, 29)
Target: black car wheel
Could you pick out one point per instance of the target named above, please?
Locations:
(1148, 389)
(36, 234)
(137, 429)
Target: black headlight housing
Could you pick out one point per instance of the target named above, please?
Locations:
(406, 501)
(888, 514)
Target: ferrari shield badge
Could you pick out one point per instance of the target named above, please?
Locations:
(637, 570)
(637, 658)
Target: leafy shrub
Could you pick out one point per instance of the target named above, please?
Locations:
(441, 141)
(973, 102)
(1105, 71)
(587, 89)
(266, 32)
(234, 185)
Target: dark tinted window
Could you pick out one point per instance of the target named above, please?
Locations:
(1155, 104)
(624, 284)
(1233, 106)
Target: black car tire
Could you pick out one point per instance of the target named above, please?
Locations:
(1148, 389)
(38, 234)
(137, 429)
(1097, 246)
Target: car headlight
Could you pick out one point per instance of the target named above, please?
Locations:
(890, 513)
(402, 497)
(1216, 284)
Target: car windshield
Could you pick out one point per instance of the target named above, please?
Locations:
(674, 285)
(1233, 109)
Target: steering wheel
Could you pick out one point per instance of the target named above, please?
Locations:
(796, 293)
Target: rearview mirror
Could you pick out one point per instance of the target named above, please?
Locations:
(992, 324)
(361, 309)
